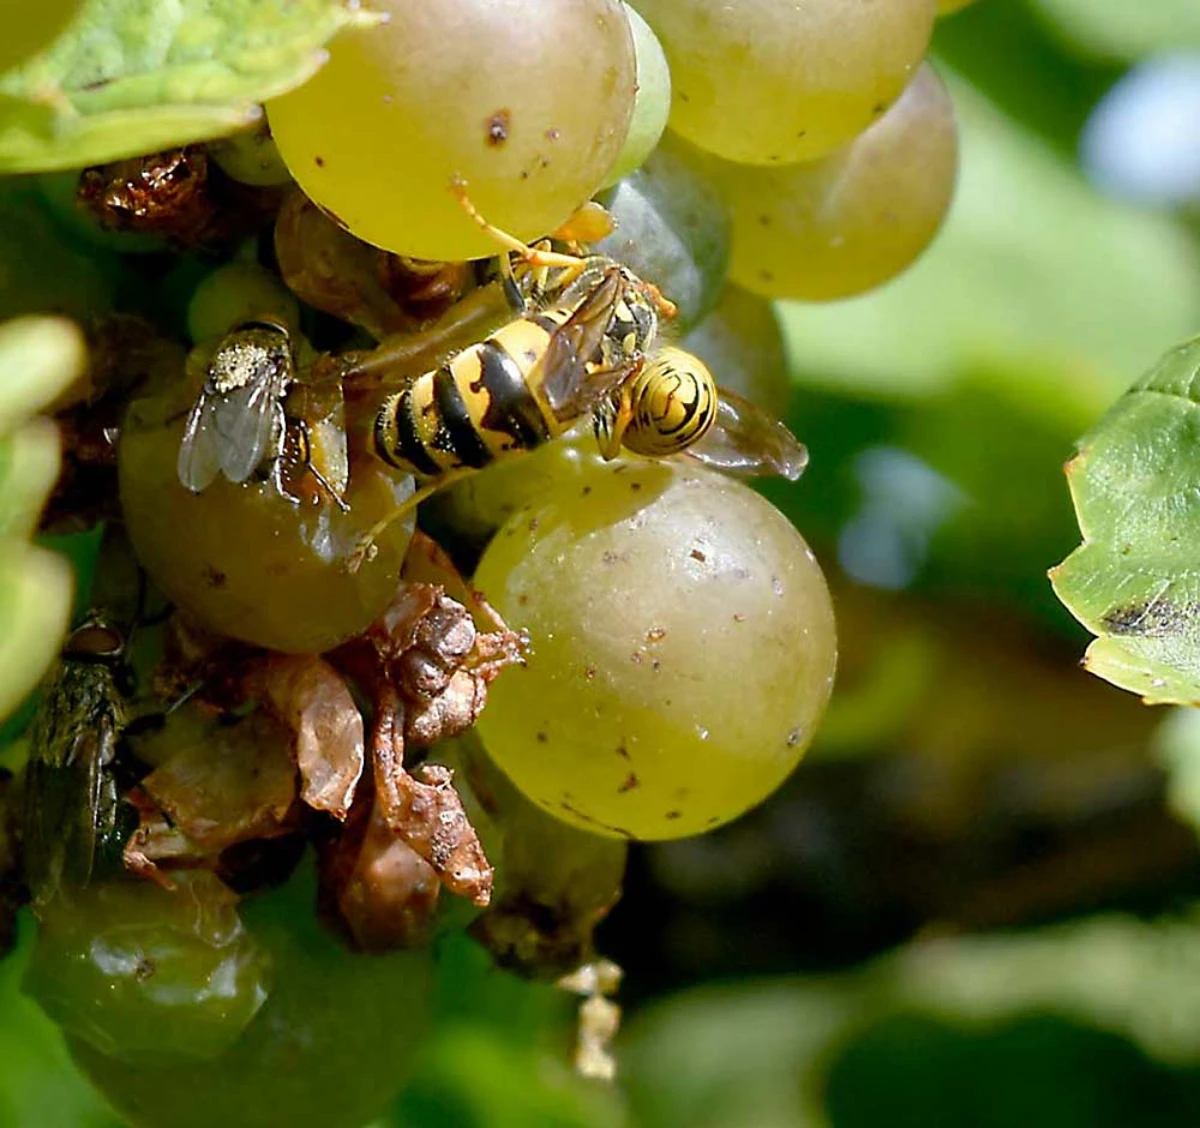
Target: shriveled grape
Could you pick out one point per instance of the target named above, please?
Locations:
(145, 974)
(329, 1049)
(845, 224)
(682, 648)
(528, 104)
(772, 81)
(246, 560)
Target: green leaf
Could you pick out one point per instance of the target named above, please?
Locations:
(39, 357)
(35, 606)
(134, 76)
(29, 461)
(1135, 580)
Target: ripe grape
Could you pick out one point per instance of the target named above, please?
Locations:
(682, 648)
(672, 230)
(845, 224)
(742, 345)
(529, 104)
(772, 81)
(250, 157)
(246, 560)
(653, 103)
(238, 291)
(141, 973)
(329, 1049)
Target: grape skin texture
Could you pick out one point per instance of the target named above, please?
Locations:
(329, 1048)
(235, 292)
(682, 648)
(529, 103)
(773, 81)
(246, 561)
(846, 224)
(652, 105)
(143, 973)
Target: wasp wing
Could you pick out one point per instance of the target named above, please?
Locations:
(745, 440)
(569, 386)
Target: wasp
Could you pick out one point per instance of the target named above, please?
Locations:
(239, 426)
(75, 820)
(584, 344)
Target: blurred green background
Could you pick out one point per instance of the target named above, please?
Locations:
(976, 904)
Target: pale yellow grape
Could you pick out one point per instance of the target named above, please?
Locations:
(236, 292)
(848, 223)
(250, 157)
(528, 103)
(682, 648)
(776, 81)
(653, 103)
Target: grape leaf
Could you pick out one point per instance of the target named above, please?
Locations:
(134, 76)
(1135, 580)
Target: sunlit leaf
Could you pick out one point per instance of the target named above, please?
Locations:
(1135, 580)
(35, 605)
(39, 357)
(133, 76)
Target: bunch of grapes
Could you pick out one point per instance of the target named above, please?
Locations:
(464, 306)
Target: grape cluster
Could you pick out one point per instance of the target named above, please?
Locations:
(326, 412)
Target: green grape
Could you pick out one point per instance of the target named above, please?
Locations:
(527, 103)
(247, 560)
(330, 1048)
(845, 224)
(672, 230)
(947, 7)
(773, 81)
(688, 697)
(742, 345)
(141, 973)
(30, 28)
(250, 157)
(653, 103)
(238, 291)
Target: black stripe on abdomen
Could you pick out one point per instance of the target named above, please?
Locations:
(511, 408)
(397, 441)
(457, 430)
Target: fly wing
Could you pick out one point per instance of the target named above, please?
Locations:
(245, 422)
(199, 454)
(569, 387)
(745, 440)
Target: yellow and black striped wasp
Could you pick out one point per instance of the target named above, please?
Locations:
(585, 344)
(239, 427)
(75, 820)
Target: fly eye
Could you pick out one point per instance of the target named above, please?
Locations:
(94, 642)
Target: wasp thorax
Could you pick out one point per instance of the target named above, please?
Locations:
(673, 403)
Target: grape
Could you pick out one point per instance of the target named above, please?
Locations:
(946, 7)
(238, 291)
(529, 103)
(329, 1049)
(845, 224)
(250, 157)
(653, 102)
(684, 700)
(773, 81)
(246, 560)
(741, 343)
(672, 230)
(33, 29)
(142, 973)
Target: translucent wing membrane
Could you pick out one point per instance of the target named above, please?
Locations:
(745, 440)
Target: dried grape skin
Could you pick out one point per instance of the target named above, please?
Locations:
(682, 649)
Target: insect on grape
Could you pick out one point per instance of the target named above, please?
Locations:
(584, 345)
(238, 426)
(75, 821)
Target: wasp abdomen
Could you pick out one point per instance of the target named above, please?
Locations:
(673, 403)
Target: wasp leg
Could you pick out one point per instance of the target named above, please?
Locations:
(524, 251)
(365, 549)
(612, 433)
